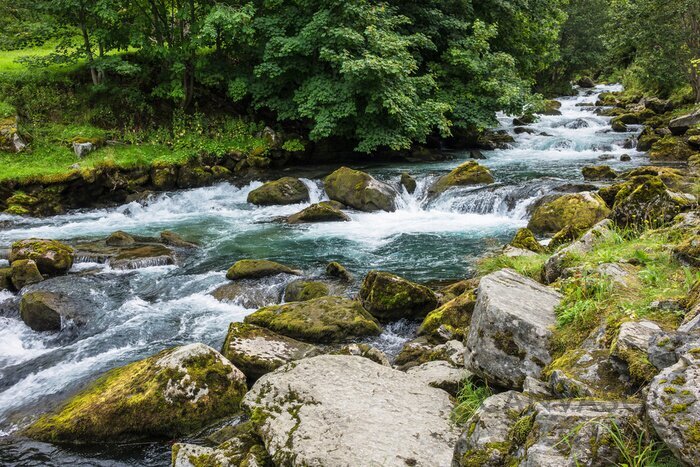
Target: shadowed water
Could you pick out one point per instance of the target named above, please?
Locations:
(138, 313)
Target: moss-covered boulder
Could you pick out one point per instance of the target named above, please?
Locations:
(674, 179)
(237, 445)
(579, 210)
(120, 238)
(324, 320)
(645, 201)
(286, 190)
(598, 172)
(618, 126)
(408, 182)
(51, 257)
(670, 148)
(321, 212)
(338, 271)
(451, 320)
(301, 291)
(551, 107)
(360, 190)
(646, 140)
(525, 239)
(585, 82)
(44, 310)
(256, 350)
(170, 394)
(6, 279)
(24, 272)
(142, 256)
(388, 297)
(257, 269)
(565, 236)
(688, 251)
(467, 174)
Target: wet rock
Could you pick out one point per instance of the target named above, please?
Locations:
(440, 374)
(365, 351)
(477, 155)
(172, 239)
(586, 82)
(679, 126)
(287, 190)
(338, 271)
(576, 124)
(674, 409)
(6, 279)
(257, 351)
(170, 394)
(490, 140)
(524, 120)
(671, 148)
(618, 126)
(521, 130)
(578, 210)
(24, 272)
(451, 320)
(301, 291)
(645, 201)
(421, 350)
(525, 240)
(45, 311)
(360, 191)
(325, 319)
(467, 174)
(625, 158)
(551, 107)
(248, 294)
(599, 172)
(120, 238)
(388, 417)
(321, 212)
(554, 266)
(257, 269)
(51, 257)
(387, 296)
(141, 256)
(408, 182)
(510, 329)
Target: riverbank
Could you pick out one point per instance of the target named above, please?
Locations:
(428, 233)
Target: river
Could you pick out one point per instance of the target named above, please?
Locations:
(144, 311)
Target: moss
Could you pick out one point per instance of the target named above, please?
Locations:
(16, 210)
(337, 270)
(526, 240)
(469, 173)
(598, 172)
(645, 202)
(51, 257)
(504, 342)
(136, 401)
(693, 433)
(388, 296)
(321, 212)
(325, 319)
(579, 210)
(521, 429)
(455, 315)
(670, 148)
(301, 291)
(256, 269)
(287, 190)
(640, 369)
(678, 408)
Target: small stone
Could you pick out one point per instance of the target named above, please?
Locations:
(83, 149)
(338, 271)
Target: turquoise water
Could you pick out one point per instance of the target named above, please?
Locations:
(138, 313)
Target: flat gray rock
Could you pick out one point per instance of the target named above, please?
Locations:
(335, 410)
(440, 374)
(510, 329)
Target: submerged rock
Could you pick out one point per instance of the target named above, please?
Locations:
(301, 291)
(142, 256)
(51, 257)
(175, 392)
(343, 410)
(387, 296)
(120, 238)
(467, 174)
(45, 311)
(360, 190)
(325, 319)
(257, 269)
(172, 239)
(578, 210)
(673, 406)
(510, 329)
(287, 190)
(257, 351)
(321, 212)
(24, 272)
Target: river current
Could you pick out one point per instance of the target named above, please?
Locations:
(144, 311)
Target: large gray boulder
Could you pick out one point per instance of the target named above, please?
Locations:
(680, 125)
(510, 329)
(335, 410)
(674, 409)
(360, 190)
(515, 429)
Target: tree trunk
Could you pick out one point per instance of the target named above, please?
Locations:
(88, 48)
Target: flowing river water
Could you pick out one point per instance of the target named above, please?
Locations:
(141, 312)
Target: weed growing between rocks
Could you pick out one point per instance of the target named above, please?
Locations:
(469, 399)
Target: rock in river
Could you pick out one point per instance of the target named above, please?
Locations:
(321, 212)
(510, 329)
(257, 351)
(337, 410)
(51, 257)
(44, 311)
(257, 269)
(360, 190)
(469, 173)
(325, 319)
(287, 190)
(175, 392)
(388, 296)
(579, 210)
(24, 272)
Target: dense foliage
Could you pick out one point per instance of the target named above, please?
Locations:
(381, 75)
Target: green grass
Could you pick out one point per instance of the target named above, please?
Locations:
(6, 110)
(469, 399)
(9, 59)
(529, 266)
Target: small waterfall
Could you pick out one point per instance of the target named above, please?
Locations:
(139, 263)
